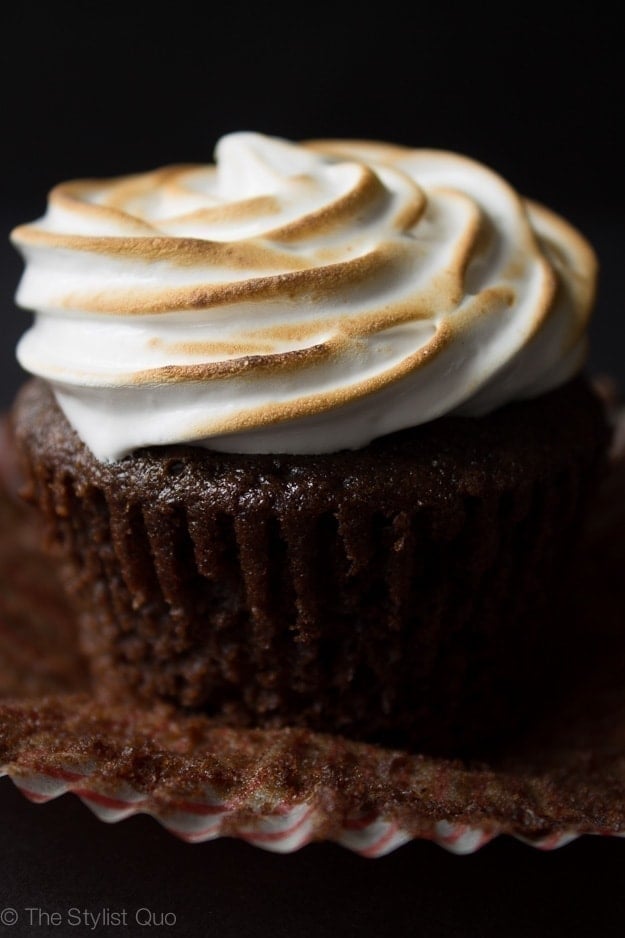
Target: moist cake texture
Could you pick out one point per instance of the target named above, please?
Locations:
(405, 592)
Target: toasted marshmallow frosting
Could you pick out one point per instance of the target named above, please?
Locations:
(300, 298)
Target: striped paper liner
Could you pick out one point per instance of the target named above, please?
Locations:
(285, 829)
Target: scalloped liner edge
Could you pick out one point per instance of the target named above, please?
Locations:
(285, 829)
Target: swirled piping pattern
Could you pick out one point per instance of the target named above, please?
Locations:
(299, 298)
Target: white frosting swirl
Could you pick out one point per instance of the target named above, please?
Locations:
(297, 298)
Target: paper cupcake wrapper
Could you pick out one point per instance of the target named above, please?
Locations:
(281, 789)
(286, 829)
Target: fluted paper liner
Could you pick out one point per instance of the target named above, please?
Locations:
(281, 789)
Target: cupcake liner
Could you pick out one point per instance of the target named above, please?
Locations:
(284, 830)
(282, 788)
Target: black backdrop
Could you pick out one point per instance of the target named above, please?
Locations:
(538, 95)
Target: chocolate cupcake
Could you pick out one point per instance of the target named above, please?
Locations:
(309, 440)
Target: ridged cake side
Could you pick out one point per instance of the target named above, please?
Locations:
(401, 593)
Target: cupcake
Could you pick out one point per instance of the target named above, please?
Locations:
(310, 435)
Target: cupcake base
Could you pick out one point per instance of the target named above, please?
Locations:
(405, 593)
(282, 788)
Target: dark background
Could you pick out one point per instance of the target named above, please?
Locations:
(538, 95)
